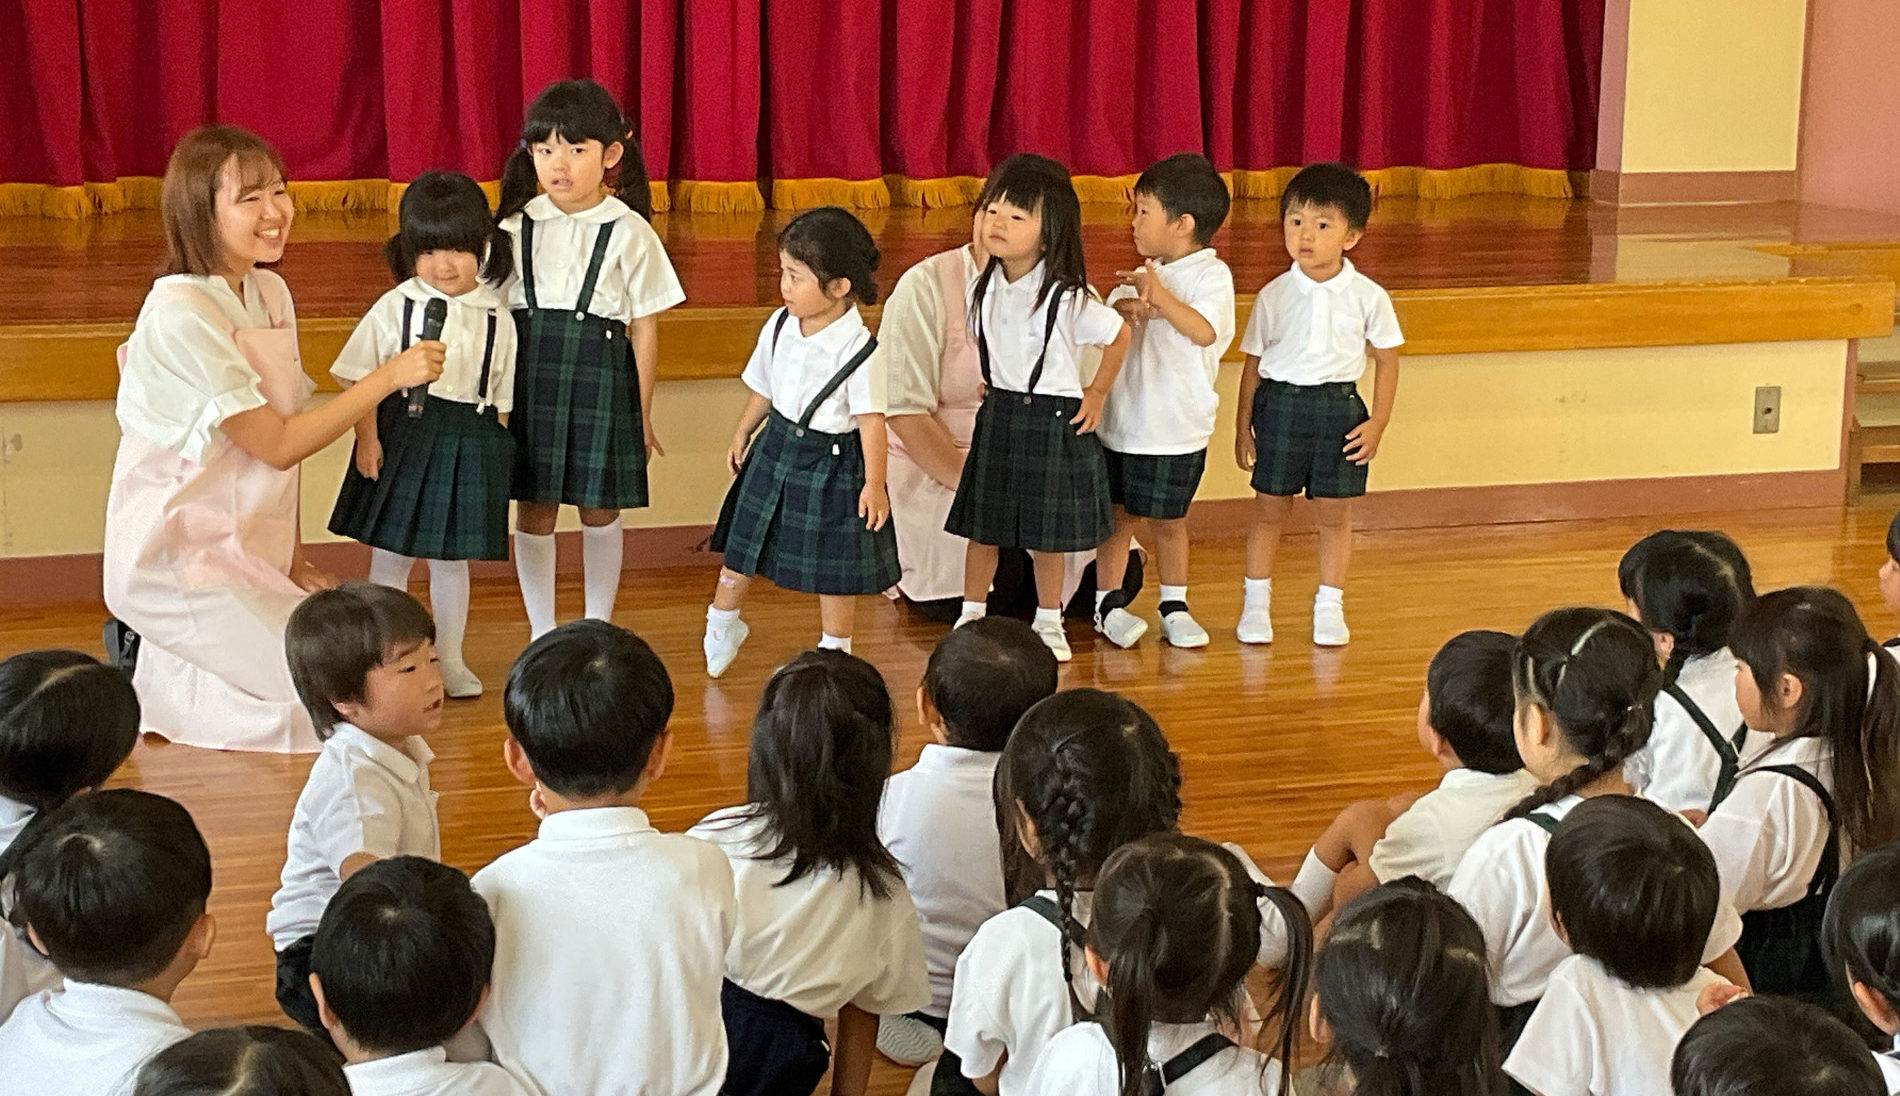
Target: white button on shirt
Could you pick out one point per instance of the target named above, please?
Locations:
(791, 368)
(636, 278)
(84, 1040)
(610, 948)
(1308, 332)
(1432, 835)
(1164, 402)
(1769, 834)
(1594, 1035)
(818, 943)
(1013, 324)
(430, 1073)
(378, 338)
(1081, 1062)
(1679, 768)
(937, 819)
(363, 796)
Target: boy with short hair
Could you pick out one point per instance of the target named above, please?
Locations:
(1302, 426)
(112, 887)
(937, 817)
(400, 964)
(1160, 414)
(610, 936)
(363, 660)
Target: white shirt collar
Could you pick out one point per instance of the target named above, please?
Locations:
(397, 1068)
(1338, 283)
(406, 762)
(834, 336)
(542, 208)
(1026, 286)
(1202, 258)
(482, 296)
(1469, 778)
(591, 823)
(937, 757)
(114, 1003)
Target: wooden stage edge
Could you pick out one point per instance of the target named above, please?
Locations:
(33, 580)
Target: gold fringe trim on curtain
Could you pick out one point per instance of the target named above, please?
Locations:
(1429, 183)
(812, 193)
(954, 190)
(700, 197)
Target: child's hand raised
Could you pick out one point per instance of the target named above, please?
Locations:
(1134, 310)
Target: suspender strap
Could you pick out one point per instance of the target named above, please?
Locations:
(594, 262)
(1543, 822)
(837, 380)
(778, 325)
(1185, 1062)
(488, 356)
(1890, 645)
(527, 260)
(408, 310)
(1048, 332)
(1829, 869)
(1045, 908)
(1728, 750)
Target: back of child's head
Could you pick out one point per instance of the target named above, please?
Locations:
(1773, 1046)
(67, 722)
(1470, 702)
(1594, 671)
(1330, 186)
(1176, 920)
(403, 953)
(337, 636)
(587, 703)
(447, 211)
(1691, 586)
(576, 111)
(1187, 184)
(112, 884)
(1037, 184)
(834, 244)
(255, 1060)
(1402, 986)
(1814, 634)
(1861, 932)
(821, 749)
(1893, 538)
(982, 677)
(1634, 888)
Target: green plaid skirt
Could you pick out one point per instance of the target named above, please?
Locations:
(792, 515)
(443, 492)
(579, 437)
(1299, 440)
(1030, 480)
(1151, 486)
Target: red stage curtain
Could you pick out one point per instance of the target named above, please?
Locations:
(742, 91)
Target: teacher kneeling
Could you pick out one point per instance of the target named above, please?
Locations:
(203, 553)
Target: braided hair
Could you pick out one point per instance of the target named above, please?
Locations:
(1595, 672)
(1689, 585)
(1085, 773)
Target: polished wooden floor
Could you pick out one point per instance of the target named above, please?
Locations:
(1273, 741)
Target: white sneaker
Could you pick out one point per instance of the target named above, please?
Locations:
(1053, 637)
(722, 646)
(460, 682)
(1182, 630)
(1123, 628)
(1329, 624)
(1256, 626)
(907, 1040)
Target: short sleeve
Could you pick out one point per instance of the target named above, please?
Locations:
(1259, 336)
(1560, 1052)
(1213, 298)
(1094, 323)
(756, 374)
(367, 818)
(184, 376)
(1073, 1062)
(1482, 884)
(375, 341)
(1410, 847)
(975, 1033)
(864, 392)
(652, 285)
(1382, 323)
(909, 355)
(501, 370)
(903, 983)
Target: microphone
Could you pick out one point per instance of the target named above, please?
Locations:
(434, 315)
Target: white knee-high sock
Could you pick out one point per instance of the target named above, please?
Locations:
(534, 565)
(602, 547)
(448, 596)
(390, 569)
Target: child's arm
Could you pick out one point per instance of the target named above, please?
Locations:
(369, 447)
(874, 502)
(1243, 413)
(1362, 444)
(645, 333)
(1180, 315)
(1096, 394)
(756, 408)
(851, 1058)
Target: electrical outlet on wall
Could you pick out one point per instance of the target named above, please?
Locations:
(1768, 409)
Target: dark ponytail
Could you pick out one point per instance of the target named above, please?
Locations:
(576, 111)
(1691, 586)
(834, 244)
(1595, 672)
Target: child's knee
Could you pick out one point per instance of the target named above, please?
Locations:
(1333, 513)
(1271, 509)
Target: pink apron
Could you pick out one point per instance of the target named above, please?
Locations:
(933, 559)
(197, 561)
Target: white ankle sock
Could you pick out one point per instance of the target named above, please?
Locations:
(1313, 886)
(1331, 594)
(602, 548)
(390, 569)
(976, 610)
(1048, 616)
(534, 566)
(720, 619)
(1174, 593)
(1100, 596)
(829, 642)
(1259, 594)
(448, 597)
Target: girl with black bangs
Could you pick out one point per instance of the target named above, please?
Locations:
(429, 475)
(592, 279)
(1035, 477)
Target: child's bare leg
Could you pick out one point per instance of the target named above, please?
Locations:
(725, 632)
(979, 570)
(1171, 547)
(835, 614)
(1111, 559)
(1335, 540)
(729, 594)
(1049, 568)
(536, 518)
(1263, 536)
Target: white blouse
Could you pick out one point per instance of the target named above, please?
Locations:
(636, 278)
(378, 338)
(791, 368)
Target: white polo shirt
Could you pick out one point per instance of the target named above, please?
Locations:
(1595, 1035)
(14, 816)
(1013, 324)
(1432, 835)
(790, 369)
(378, 338)
(1769, 834)
(636, 278)
(1308, 332)
(1679, 768)
(937, 819)
(1500, 882)
(1889, 1064)
(1164, 402)
(430, 1073)
(1081, 1062)
(1010, 995)
(610, 948)
(84, 1040)
(818, 943)
(364, 795)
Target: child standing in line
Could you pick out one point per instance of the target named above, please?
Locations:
(1160, 414)
(809, 509)
(1035, 477)
(591, 279)
(429, 475)
(1302, 425)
